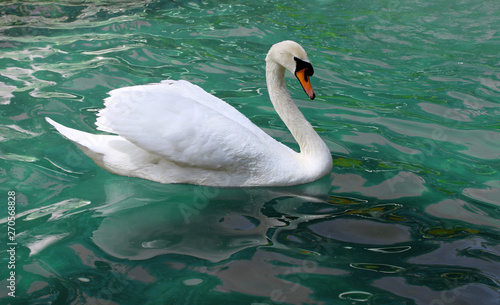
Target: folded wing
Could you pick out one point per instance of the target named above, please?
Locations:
(185, 124)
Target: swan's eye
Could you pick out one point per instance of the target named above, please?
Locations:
(302, 64)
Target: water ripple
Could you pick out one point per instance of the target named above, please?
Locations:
(407, 101)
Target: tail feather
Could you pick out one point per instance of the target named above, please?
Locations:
(88, 140)
(110, 152)
(90, 144)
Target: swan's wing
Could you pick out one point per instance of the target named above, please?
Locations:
(185, 124)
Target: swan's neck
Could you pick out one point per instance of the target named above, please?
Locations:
(310, 143)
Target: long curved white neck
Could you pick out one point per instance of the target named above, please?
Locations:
(310, 143)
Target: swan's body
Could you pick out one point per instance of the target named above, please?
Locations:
(175, 132)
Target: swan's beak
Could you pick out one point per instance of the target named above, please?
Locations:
(304, 80)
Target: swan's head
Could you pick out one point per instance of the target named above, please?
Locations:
(293, 57)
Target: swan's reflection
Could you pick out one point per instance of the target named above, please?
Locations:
(202, 222)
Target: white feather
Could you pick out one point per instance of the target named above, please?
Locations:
(175, 132)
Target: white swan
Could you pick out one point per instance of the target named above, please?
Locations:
(175, 132)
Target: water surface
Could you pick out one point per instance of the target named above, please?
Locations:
(407, 100)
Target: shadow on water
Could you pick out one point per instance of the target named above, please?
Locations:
(203, 222)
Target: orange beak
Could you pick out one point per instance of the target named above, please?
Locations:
(305, 82)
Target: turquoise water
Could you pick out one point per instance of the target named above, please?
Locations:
(408, 96)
